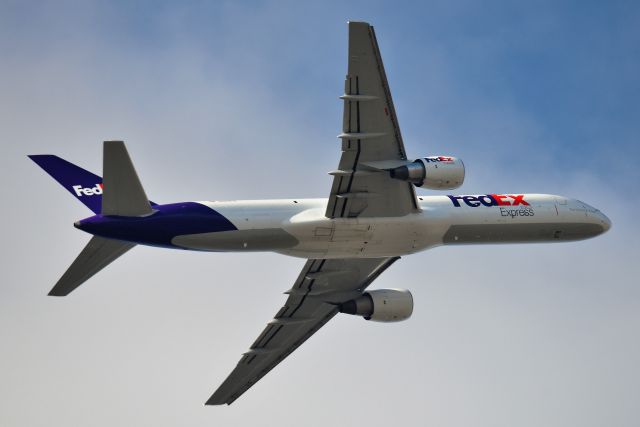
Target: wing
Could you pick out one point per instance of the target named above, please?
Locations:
(313, 300)
(371, 139)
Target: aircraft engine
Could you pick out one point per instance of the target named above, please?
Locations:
(381, 305)
(434, 172)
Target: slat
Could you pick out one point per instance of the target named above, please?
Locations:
(359, 98)
(350, 172)
(357, 195)
(361, 135)
(290, 321)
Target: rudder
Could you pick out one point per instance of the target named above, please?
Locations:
(123, 194)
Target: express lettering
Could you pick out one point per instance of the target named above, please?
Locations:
(490, 200)
(521, 211)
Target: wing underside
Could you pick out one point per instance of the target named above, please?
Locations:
(313, 300)
(371, 139)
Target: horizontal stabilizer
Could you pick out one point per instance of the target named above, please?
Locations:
(98, 253)
(123, 194)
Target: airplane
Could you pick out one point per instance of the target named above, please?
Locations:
(372, 217)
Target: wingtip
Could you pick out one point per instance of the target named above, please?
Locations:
(211, 402)
(53, 293)
(59, 291)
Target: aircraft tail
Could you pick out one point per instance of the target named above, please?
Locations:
(124, 195)
(120, 193)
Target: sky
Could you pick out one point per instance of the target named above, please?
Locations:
(239, 100)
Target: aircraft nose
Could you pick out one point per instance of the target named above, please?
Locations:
(604, 221)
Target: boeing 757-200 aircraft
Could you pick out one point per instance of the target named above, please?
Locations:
(371, 218)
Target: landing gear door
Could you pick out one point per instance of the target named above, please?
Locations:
(352, 237)
(352, 232)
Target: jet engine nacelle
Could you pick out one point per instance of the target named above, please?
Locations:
(434, 172)
(381, 305)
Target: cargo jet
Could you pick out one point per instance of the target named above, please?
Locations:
(371, 218)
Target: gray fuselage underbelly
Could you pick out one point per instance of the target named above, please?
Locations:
(256, 240)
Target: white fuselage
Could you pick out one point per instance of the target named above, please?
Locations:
(300, 228)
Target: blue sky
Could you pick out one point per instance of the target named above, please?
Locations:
(238, 100)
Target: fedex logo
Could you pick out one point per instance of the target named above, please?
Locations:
(83, 191)
(438, 159)
(490, 200)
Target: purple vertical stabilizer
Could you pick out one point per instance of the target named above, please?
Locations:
(84, 185)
